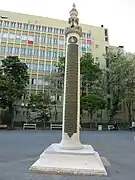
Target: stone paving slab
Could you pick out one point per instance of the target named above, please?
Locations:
(20, 149)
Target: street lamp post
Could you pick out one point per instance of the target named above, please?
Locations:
(27, 112)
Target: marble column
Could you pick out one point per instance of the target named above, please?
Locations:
(71, 100)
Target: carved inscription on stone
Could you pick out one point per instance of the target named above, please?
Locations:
(71, 90)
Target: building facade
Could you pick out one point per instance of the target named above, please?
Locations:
(40, 41)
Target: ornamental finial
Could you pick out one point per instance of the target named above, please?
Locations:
(74, 6)
(73, 22)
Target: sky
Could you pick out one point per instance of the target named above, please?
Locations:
(116, 15)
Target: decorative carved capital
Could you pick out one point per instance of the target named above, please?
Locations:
(73, 22)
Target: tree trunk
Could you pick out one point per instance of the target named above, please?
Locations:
(91, 117)
(10, 116)
(44, 124)
(129, 112)
(56, 113)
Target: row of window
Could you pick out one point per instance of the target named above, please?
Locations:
(32, 38)
(31, 52)
(47, 40)
(31, 27)
(36, 28)
(36, 81)
(41, 67)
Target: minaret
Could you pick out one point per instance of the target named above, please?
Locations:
(71, 100)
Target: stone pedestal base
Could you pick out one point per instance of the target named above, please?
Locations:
(55, 160)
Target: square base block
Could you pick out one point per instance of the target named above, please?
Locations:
(55, 160)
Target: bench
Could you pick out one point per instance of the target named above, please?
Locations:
(3, 126)
(110, 127)
(29, 126)
(58, 126)
(55, 126)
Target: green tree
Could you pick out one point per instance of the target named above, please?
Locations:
(41, 104)
(60, 74)
(13, 81)
(90, 73)
(92, 103)
(120, 82)
(129, 87)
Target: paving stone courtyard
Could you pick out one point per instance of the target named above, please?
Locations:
(20, 149)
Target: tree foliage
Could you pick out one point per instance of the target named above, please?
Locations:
(120, 81)
(90, 70)
(13, 81)
(92, 103)
(41, 103)
(90, 74)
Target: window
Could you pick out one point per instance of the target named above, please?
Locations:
(55, 31)
(37, 38)
(16, 50)
(43, 39)
(61, 41)
(88, 35)
(60, 54)
(10, 49)
(53, 68)
(5, 24)
(42, 53)
(2, 49)
(107, 63)
(54, 55)
(32, 81)
(4, 36)
(23, 51)
(13, 24)
(48, 54)
(35, 66)
(106, 32)
(44, 29)
(55, 41)
(61, 31)
(38, 81)
(19, 25)
(84, 35)
(35, 52)
(106, 38)
(41, 67)
(97, 58)
(47, 68)
(28, 65)
(106, 49)
(25, 26)
(29, 52)
(50, 30)
(38, 28)
(32, 27)
(0, 23)
(97, 46)
(49, 40)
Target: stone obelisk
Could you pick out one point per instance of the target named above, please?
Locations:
(71, 102)
(70, 156)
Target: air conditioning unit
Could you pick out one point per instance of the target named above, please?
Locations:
(4, 17)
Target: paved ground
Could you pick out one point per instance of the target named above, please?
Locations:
(20, 149)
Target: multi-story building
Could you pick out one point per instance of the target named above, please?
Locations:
(116, 48)
(40, 41)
